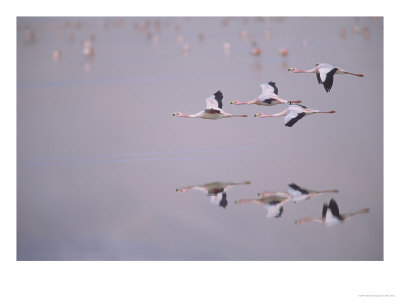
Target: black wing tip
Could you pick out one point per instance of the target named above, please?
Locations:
(224, 202)
(333, 206)
(272, 83)
(295, 119)
(280, 212)
(298, 188)
(324, 210)
(303, 106)
(327, 87)
(218, 95)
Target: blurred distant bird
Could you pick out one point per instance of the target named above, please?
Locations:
(56, 55)
(284, 52)
(88, 49)
(213, 110)
(268, 97)
(244, 34)
(267, 34)
(227, 48)
(294, 113)
(366, 32)
(30, 36)
(325, 73)
(342, 33)
(256, 51)
(185, 49)
(331, 215)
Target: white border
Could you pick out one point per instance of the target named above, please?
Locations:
(196, 280)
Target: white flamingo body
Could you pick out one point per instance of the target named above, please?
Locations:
(213, 111)
(325, 73)
(268, 96)
(293, 114)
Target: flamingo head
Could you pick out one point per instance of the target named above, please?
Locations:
(292, 69)
(256, 115)
(179, 190)
(176, 114)
(234, 102)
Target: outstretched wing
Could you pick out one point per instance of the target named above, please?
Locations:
(329, 80)
(293, 117)
(295, 190)
(318, 77)
(324, 210)
(335, 209)
(220, 199)
(268, 90)
(325, 74)
(215, 101)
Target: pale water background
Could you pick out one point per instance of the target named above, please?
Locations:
(100, 155)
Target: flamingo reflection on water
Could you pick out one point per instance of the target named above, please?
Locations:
(325, 74)
(272, 201)
(216, 190)
(331, 215)
(268, 96)
(299, 194)
(294, 113)
(213, 111)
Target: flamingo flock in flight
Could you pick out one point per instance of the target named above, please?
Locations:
(273, 202)
(268, 97)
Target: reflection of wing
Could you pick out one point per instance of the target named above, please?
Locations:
(224, 202)
(297, 193)
(219, 199)
(324, 209)
(274, 210)
(215, 101)
(295, 190)
(335, 209)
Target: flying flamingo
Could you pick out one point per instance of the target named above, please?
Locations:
(272, 201)
(325, 73)
(268, 97)
(294, 113)
(331, 215)
(216, 190)
(213, 111)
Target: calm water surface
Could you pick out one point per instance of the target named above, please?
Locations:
(101, 160)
